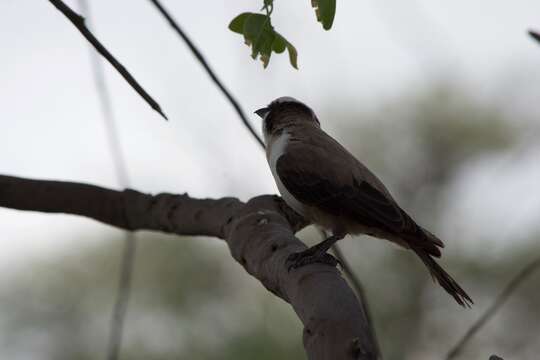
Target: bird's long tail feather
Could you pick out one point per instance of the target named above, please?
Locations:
(444, 279)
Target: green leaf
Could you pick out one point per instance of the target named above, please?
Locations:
(237, 24)
(259, 32)
(293, 55)
(260, 35)
(325, 11)
(279, 45)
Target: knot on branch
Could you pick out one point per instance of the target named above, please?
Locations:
(257, 235)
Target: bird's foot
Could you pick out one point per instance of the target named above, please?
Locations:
(299, 259)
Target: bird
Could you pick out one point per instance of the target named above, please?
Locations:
(328, 186)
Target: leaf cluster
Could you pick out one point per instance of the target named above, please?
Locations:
(260, 35)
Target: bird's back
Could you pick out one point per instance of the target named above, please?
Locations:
(334, 157)
(322, 173)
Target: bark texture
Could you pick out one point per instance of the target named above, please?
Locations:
(260, 236)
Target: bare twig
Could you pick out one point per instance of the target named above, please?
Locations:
(118, 317)
(209, 71)
(78, 21)
(127, 261)
(359, 290)
(488, 314)
(535, 35)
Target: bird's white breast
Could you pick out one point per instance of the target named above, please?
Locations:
(278, 147)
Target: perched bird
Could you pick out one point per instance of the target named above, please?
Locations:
(328, 186)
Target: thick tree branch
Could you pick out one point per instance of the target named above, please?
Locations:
(359, 289)
(78, 21)
(128, 209)
(259, 233)
(335, 327)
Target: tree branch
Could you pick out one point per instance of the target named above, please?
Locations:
(335, 327)
(360, 292)
(78, 21)
(259, 233)
(235, 104)
(534, 35)
(128, 209)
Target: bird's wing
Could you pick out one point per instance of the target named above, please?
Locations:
(319, 178)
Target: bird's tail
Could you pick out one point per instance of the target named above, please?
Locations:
(444, 279)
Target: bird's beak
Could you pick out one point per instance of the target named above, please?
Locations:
(262, 112)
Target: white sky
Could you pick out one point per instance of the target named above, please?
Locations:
(377, 50)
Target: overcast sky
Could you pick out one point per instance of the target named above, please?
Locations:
(377, 50)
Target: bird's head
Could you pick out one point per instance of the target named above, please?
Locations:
(284, 112)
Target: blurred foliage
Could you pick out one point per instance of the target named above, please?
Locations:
(418, 144)
(263, 39)
(191, 300)
(434, 132)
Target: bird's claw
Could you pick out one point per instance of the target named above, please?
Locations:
(299, 259)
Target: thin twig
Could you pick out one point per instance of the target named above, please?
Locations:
(535, 35)
(241, 114)
(78, 21)
(359, 290)
(488, 314)
(118, 316)
(209, 71)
